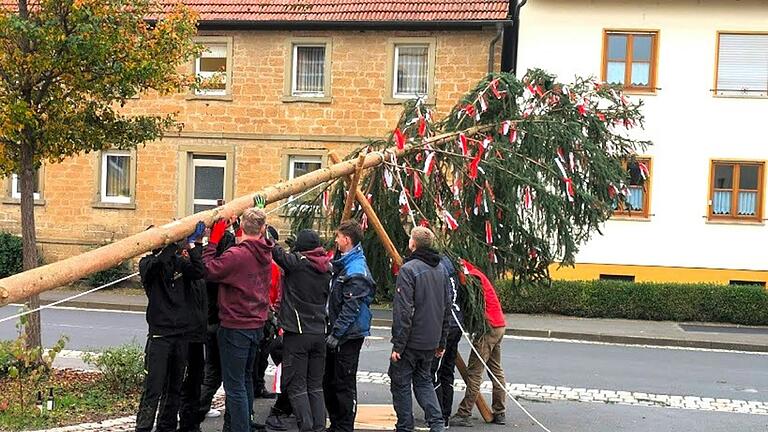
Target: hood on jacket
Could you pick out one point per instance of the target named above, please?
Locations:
(318, 258)
(426, 255)
(353, 261)
(261, 249)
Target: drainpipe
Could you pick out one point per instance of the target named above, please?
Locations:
(492, 48)
(511, 36)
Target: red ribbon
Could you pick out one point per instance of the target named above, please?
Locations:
(400, 139)
(422, 126)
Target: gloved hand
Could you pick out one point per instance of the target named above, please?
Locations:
(290, 241)
(259, 201)
(217, 231)
(332, 342)
(197, 233)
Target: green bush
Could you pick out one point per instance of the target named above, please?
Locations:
(645, 301)
(122, 367)
(109, 275)
(10, 254)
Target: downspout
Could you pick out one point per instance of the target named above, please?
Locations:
(511, 37)
(492, 48)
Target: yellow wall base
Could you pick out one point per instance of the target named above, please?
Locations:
(657, 273)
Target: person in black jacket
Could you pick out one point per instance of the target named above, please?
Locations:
(420, 321)
(303, 319)
(443, 367)
(212, 374)
(168, 279)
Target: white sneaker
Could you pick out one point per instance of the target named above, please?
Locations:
(213, 413)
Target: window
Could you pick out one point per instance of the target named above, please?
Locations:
(208, 174)
(742, 65)
(16, 186)
(736, 192)
(213, 68)
(300, 165)
(637, 203)
(308, 70)
(412, 67)
(629, 59)
(116, 177)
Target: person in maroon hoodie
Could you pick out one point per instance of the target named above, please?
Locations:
(243, 273)
(488, 345)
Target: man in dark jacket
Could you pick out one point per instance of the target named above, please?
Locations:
(420, 321)
(302, 317)
(352, 291)
(243, 274)
(168, 279)
(443, 367)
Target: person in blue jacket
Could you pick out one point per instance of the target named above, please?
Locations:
(352, 291)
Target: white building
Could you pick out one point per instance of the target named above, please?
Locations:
(701, 68)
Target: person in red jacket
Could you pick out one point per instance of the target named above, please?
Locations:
(488, 345)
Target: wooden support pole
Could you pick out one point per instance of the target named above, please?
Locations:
(373, 220)
(353, 187)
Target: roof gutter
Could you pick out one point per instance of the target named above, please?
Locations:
(348, 25)
(509, 46)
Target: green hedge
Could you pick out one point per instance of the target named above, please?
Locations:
(645, 301)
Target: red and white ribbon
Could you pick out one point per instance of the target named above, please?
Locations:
(527, 198)
(450, 220)
(418, 190)
(483, 103)
(488, 232)
(399, 139)
(463, 144)
(644, 172)
(389, 178)
(422, 126)
(429, 163)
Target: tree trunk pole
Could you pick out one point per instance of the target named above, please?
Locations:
(373, 219)
(20, 286)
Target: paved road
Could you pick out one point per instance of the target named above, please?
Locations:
(574, 367)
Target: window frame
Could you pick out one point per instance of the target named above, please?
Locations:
(99, 200)
(734, 216)
(228, 42)
(289, 87)
(716, 74)
(297, 154)
(11, 183)
(186, 152)
(393, 44)
(206, 160)
(652, 86)
(645, 214)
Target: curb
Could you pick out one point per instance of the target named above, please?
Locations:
(548, 334)
(99, 305)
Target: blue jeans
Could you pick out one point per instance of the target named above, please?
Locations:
(238, 349)
(413, 368)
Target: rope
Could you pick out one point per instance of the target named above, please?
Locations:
(58, 302)
(488, 370)
(78, 295)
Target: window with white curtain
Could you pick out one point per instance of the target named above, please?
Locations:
(411, 71)
(211, 70)
(629, 59)
(736, 190)
(116, 177)
(16, 186)
(308, 77)
(742, 65)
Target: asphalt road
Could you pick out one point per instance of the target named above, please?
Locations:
(683, 372)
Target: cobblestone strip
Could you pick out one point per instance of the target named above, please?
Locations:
(531, 392)
(546, 393)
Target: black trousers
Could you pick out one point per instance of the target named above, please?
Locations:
(340, 385)
(266, 347)
(212, 372)
(443, 372)
(165, 361)
(303, 369)
(189, 413)
(282, 404)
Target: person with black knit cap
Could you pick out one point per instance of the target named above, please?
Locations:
(302, 316)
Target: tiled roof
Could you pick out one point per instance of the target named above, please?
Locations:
(348, 11)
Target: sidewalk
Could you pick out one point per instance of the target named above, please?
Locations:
(662, 333)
